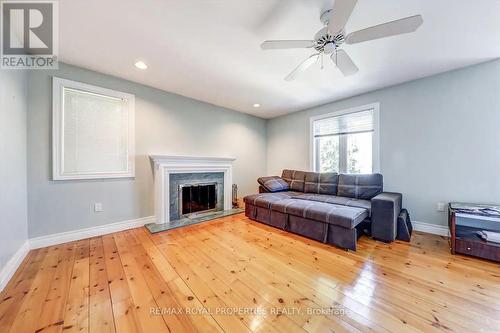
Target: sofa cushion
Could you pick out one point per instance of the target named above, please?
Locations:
(321, 183)
(273, 184)
(265, 200)
(349, 202)
(360, 186)
(346, 217)
(295, 179)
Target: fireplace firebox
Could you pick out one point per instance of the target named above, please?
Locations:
(197, 198)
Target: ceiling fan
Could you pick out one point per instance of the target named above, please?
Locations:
(328, 40)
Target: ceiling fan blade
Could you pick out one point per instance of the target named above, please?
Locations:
(286, 44)
(344, 63)
(302, 67)
(402, 26)
(342, 10)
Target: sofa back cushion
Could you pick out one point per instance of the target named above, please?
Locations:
(360, 186)
(273, 184)
(295, 179)
(321, 183)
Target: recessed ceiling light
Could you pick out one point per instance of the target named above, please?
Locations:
(141, 65)
(256, 105)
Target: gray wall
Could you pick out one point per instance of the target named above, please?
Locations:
(439, 140)
(165, 124)
(13, 206)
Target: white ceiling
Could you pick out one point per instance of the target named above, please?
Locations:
(210, 49)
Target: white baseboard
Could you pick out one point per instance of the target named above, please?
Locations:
(431, 228)
(13, 264)
(69, 236)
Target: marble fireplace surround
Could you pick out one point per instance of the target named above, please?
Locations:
(179, 179)
(164, 165)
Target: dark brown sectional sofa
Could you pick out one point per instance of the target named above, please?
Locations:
(328, 207)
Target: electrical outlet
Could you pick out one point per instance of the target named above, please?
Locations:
(440, 206)
(98, 207)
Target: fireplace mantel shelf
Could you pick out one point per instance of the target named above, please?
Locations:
(158, 159)
(164, 165)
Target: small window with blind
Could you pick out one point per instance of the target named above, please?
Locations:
(346, 141)
(93, 132)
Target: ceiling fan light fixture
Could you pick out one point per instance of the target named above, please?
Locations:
(256, 105)
(329, 48)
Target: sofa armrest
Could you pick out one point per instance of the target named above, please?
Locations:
(385, 211)
(262, 189)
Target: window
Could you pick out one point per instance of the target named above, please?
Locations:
(93, 132)
(346, 141)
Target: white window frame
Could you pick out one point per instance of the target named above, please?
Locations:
(375, 139)
(58, 86)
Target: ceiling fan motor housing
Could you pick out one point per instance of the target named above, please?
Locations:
(326, 42)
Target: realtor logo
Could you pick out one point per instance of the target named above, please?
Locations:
(29, 34)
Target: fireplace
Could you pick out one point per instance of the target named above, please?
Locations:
(197, 198)
(191, 193)
(172, 171)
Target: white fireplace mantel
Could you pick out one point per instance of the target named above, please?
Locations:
(164, 165)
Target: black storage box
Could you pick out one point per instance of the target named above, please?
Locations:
(404, 226)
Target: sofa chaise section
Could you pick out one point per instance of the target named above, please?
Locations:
(328, 223)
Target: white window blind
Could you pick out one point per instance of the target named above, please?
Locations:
(93, 132)
(357, 122)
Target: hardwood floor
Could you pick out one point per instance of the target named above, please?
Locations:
(235, 275)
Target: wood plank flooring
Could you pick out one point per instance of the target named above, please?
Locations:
(236, 275)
